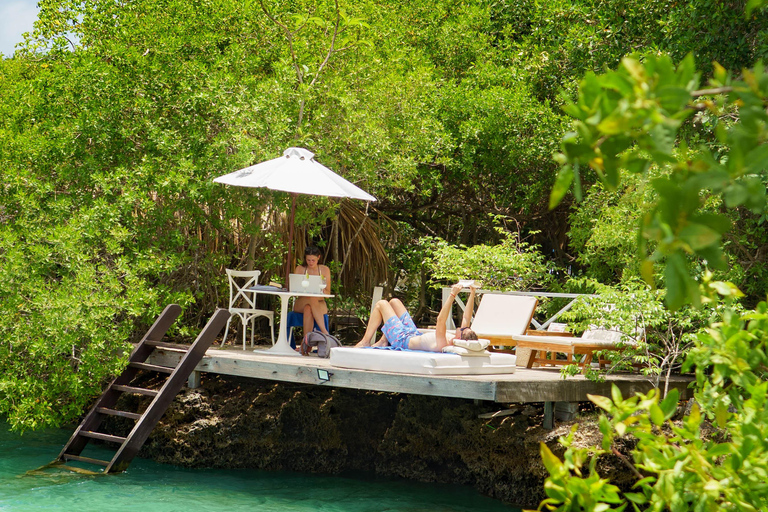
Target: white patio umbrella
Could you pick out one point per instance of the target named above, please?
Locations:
(296, 172)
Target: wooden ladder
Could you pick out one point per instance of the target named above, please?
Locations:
(146, 421)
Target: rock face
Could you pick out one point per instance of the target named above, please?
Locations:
(247, 423)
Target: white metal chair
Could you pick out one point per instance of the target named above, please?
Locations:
(242, 303)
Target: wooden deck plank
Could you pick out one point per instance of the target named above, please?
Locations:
(525, 385)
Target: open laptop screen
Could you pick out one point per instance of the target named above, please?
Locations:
(295, 280)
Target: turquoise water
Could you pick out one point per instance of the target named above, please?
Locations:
(149, 487)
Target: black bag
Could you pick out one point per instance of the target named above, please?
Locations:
(323, 342)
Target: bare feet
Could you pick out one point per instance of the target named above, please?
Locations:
(363, 343)
(381, 343)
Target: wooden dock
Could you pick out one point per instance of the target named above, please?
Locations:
(525, 385)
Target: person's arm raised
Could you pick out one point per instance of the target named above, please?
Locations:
(445, 311)
(469, 308)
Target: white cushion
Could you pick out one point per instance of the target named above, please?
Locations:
(551, 340)
(503, 315)
(421, 363)
(602, 335)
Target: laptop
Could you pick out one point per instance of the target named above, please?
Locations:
(294, 283)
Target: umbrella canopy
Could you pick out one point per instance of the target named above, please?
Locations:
(296, 172)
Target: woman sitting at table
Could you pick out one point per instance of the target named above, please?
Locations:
(313, 308)
(401, 333)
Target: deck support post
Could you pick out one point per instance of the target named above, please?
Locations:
(549, 417)
(566, 411)
(193, 382)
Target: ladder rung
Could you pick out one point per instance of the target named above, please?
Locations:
(75, 469)
(85, 459)
(151, 367)
(170, 346)
(138, 391)
(103, 437)
(114, 412)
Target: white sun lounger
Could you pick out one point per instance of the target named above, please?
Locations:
(498, 319)
(421, 363)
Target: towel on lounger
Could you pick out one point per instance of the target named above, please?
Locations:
(452, 349)
(468, 347)
(472, 345)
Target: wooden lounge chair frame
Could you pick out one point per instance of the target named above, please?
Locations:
(570, 346)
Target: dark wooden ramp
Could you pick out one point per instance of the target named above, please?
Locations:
(176, 376)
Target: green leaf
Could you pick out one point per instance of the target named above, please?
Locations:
(561, 187)
(604, 424)
(646, 271)
(657, 415)
(636, 497)
(617, 82)
(551, 462)
(698, 236)
(673, 98)
(735, 195)
(669, 404)
(679, 283)
(714, 256)
(602, 402)
(752, 5)
(721, 414)
(636, 165)
(720, 450)
(716, 221)
(757, 160)
(616, 394)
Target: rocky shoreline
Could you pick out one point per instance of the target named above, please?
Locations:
(248, 423)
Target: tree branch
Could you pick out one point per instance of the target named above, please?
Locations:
(330, 48)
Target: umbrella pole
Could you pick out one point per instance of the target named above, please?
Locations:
(290, 238)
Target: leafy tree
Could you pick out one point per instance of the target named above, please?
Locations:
(629, 120)
(654, 340)
(510, 265)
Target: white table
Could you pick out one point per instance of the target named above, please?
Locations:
(282, 347)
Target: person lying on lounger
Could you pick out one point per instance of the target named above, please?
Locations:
(400, 331)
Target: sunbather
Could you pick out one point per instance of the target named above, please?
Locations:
(400, 331)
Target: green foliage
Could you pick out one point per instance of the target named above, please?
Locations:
(655, 340)
(716, 457)
(603, 231)
(683, 464)
(628, 120)
(510, 265)
(603, 235)
(447, 112)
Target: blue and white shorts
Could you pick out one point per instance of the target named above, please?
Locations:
(399, 330)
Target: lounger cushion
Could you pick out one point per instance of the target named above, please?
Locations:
(421, 363)
(501, 316)
(565, 341)
(592, 338)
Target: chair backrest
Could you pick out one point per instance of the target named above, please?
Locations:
(239, 281)
(503, 315)
(378, 291)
